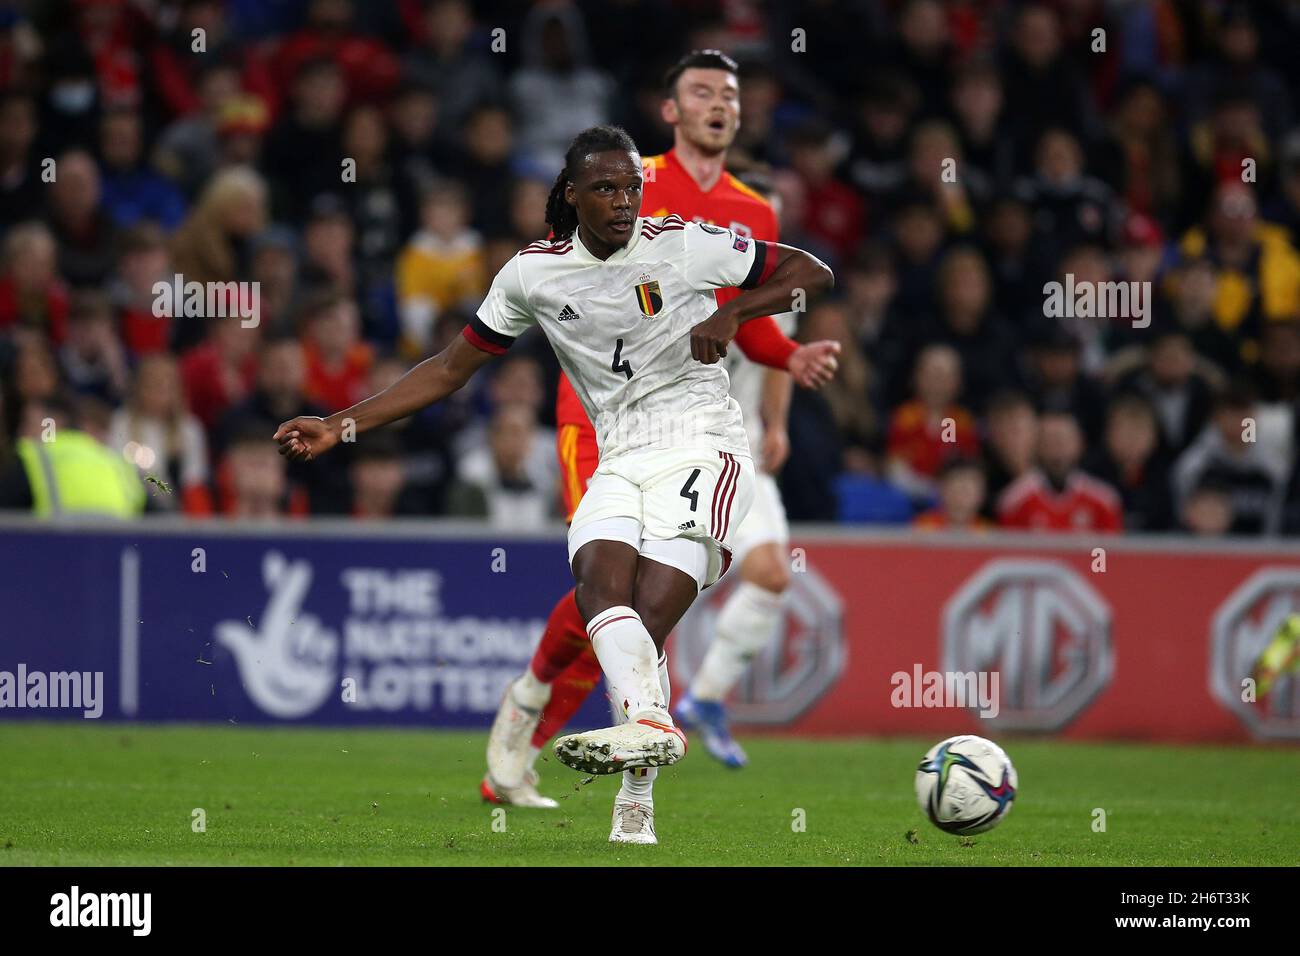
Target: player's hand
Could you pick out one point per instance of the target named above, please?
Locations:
(814, 364)
(709, 339)
(305, 438)
(776, 449)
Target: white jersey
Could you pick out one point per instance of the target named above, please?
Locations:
(747, 378)
(621, 329)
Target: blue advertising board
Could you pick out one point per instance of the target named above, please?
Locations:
(266, 624)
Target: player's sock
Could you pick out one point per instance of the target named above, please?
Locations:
(630, 661)
(564, 639)
(568, 692)
(746, 625)
(529, 691)
(638, 785)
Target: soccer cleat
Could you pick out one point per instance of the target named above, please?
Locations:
(710, 718)
(508, 740)
(524, 795)
(633, 823)
(644, 743)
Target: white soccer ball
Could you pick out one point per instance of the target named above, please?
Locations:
(966, 784)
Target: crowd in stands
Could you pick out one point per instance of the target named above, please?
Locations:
(370, 166)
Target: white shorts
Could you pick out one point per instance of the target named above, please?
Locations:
(698, 494)
(766, 522)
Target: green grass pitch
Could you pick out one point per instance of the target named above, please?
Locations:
(90, 794)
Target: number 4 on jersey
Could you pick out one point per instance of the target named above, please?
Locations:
(621, 364)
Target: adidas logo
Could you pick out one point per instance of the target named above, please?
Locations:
(686, 526)
(567, 314)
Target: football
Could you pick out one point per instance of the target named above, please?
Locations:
(966, 784)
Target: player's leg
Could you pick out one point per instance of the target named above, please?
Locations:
(747, 624)
(512, 746)
(560, 675)
(690, 500)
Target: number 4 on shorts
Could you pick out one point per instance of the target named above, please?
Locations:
(692, 496)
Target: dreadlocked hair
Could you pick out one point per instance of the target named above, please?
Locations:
(560, 216)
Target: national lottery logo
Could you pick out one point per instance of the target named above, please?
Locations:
(394, 648)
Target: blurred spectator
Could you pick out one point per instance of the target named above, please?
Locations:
(428, 466)
(1139, 153)
(1057, 383)
(1236, 64)
(1208, 510)
(154, 432)
(252, 478)
(962, 495)
(337, 358)
(275, 268)
(212, 244)
(21, 193)
(32, 296)
(1016, 265)
(378, 479)
(1070, 207)
(132, 190)
(556, 94)
(1011, 442)
(1190, 293)
(833, 213)
(848, 395)
(142, 261)
(1057, 495)
(85, 234)
(1277, 376)
(443, 61)
(328, 247)
(187, 150)
(968, 323)
(93, 359)
(369, 69)
(1283, 208)
(441, 267)
(1130, 461)
(220, 371)
(483, 164)
(374, 199)
(497, 481)
(303, 154)
(1043, 86)
(1257, 269)
(1228, 452)
(933, 427)
(1179, 386)
(978, 105)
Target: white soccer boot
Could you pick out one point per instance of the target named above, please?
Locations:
(511, 733)
(633, 823)
(524, 795)
(647, 742)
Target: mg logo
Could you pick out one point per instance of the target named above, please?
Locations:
(1239, 633)
(1043, 628)
(785, 679)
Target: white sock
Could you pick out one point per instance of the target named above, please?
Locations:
(533, 753)
(746, 625)
(638, 785)
(628, 657)
(531, 693)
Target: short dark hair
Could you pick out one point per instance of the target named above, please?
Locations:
(698, 60)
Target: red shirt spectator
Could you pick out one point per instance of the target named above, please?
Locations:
(1083, 504)
(924, 441)
(221, 371)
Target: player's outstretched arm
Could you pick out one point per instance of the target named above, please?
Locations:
(435, 378)
(796, 271)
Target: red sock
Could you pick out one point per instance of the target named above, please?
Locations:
(568, 691)
(563, 640)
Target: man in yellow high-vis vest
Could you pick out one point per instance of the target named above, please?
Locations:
(71, 475)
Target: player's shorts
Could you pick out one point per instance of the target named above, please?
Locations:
(766, 522)
(579, 454)
(696, 494)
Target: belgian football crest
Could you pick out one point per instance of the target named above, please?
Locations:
(649, 299)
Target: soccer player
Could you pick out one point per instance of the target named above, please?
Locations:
(628, 306)
(702, 105)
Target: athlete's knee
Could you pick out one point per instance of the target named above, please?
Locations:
(605, 576)
(766, 568)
